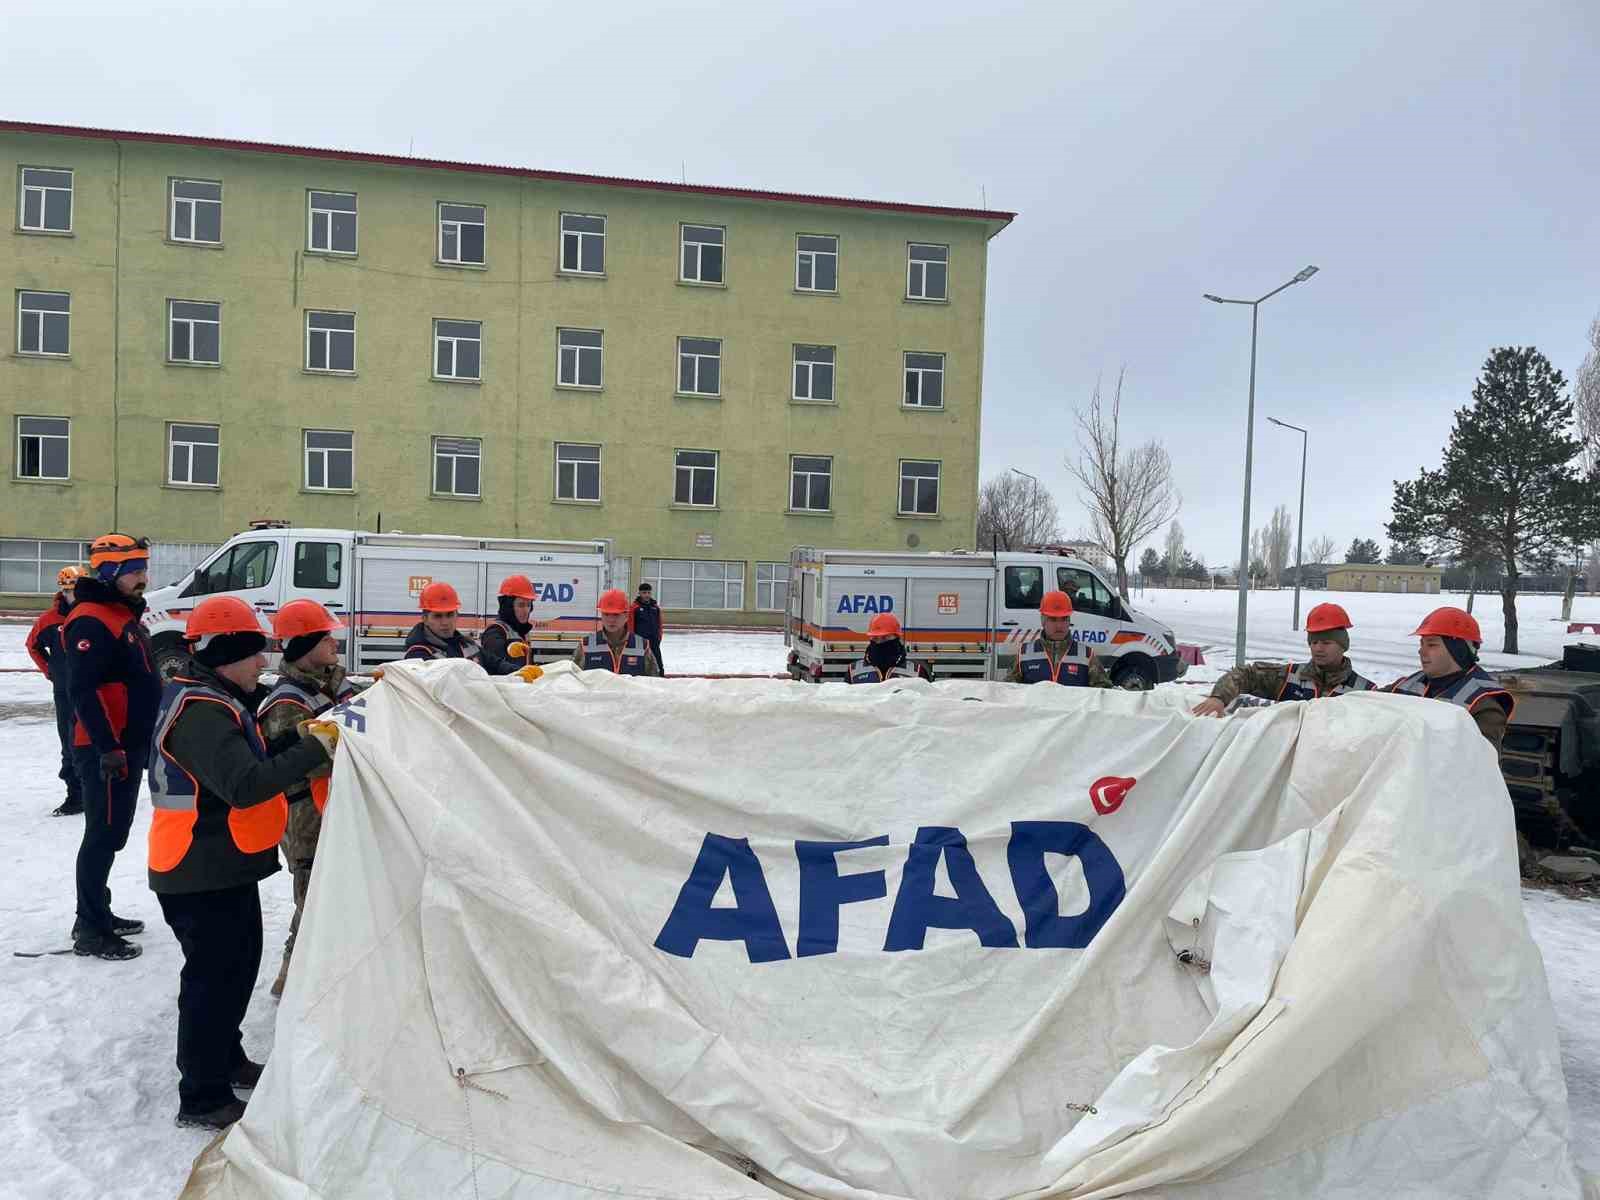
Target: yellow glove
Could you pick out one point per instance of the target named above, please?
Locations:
(517, 650)
(377, 673)
(326, 732)
(529, 674)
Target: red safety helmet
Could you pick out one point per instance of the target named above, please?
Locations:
(884, 625)
(440, 597)
(221, 614)
(1325, 617)
(519, 587)
(1055, 604)
(613, 601)
(1450, 622)
(300, 618)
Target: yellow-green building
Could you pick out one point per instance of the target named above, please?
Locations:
(210, 332)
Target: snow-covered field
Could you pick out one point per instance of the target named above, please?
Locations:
(87, 1080)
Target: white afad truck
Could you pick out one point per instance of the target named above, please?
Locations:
(964, 613)
(373, 582)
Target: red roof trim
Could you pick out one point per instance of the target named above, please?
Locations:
(395, 160)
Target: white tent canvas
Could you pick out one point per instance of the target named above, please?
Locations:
(599, 937)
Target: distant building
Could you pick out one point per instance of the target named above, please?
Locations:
(1383, 577)
(1091, 552)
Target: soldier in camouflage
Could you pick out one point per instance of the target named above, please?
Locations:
(1056, 657)
(1327, 673)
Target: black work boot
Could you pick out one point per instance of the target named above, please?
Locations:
(216, 1118)
(70, 807)
(109, 946)
(246, 1075)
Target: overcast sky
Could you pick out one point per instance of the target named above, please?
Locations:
(1438, 161)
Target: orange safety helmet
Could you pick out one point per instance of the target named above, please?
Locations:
(884, 625)
(613, 601)
(1325, 617)
(518, 586)
(1055, 604)
(1450, 622)
(68, 576)
(440, 597)
(221, 614)
(299, 618)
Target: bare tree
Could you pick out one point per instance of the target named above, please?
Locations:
(1322, 549)
(1586, 398)
(1277, 535)
(1174, 548)
(1014, 511)
(1127, 490)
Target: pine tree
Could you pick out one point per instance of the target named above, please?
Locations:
(1363, 550)
(1512, 479)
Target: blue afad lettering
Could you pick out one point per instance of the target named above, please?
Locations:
(824, 890)
(1090, 635)
(555, 593)
(351, 714)
(856, 603)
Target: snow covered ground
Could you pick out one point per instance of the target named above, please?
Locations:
(87, 1080)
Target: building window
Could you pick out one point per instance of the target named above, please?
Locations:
(461, 233)
(583, 244)
(46, 201)
(924, 380)
(702, 253)
(577, 471)
(919, 488)
(30, 565)
(44, 322)
(43, 447)
(580, 357)
(194, 332)
(457, 349)
(330, 341)
(330, 460)
(192, 455)
(816, 263)
(772, 586)
(196, 212)
(927, 272)
(333, 223)
(695, 480)
(810, 483)
(456, 463)
(813, 373)
(692, 583)
(700, 366)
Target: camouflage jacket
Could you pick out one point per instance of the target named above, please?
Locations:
(651, 666)
(1267, 680)
(1097, 673)
(281, 726)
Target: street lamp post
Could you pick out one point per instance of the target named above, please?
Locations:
(1033, 497)
(1300, 526)
(1249, 430)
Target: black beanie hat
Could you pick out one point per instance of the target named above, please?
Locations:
(223, 648)
(1463, 651)
(297, 648)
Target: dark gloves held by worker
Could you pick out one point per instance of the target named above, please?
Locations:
(114, 764)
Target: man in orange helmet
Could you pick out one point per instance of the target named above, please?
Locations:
(44, 647)
(1056, 656)
(310, 681)
(219, 810)
(886, 656)
(612, 647)
(1327, 673)
(115, 690)
(1448, 653)
(505, 638)
(436, 635)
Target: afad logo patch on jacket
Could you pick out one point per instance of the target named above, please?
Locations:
(824, 889)
(83, 644)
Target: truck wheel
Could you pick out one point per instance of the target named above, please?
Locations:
(1134, 674)
(170, 658)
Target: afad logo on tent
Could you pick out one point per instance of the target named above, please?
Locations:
(825, 889)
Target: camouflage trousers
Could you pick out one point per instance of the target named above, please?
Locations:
(299, 849)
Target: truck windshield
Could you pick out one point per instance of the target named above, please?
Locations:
(238, 568)
(1088, 594)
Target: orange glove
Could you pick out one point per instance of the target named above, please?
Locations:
(517, 650)
(529, 674)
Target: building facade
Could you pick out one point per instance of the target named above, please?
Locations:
(207, 333)
(1382, 577)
